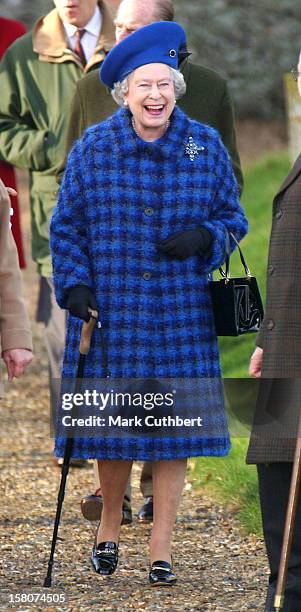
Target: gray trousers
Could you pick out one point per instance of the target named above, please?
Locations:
(54, 319)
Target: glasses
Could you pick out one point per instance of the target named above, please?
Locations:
(295, 74)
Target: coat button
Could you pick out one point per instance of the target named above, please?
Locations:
(279, 214)
(271, 269)
(149, 211)
(147, 275)
(270, 324)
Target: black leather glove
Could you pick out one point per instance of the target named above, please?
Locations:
(81, 298)
(186, 244)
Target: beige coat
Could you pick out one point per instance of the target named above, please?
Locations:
(14, 324)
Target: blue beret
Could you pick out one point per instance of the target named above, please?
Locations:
(156, 43)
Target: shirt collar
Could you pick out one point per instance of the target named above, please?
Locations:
(93, 26)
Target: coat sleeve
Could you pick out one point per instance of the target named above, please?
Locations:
(226, 214)
(76, 127)
(21, 143)
(227, 131)
(260, 338)
(68, 235)
(14, 324)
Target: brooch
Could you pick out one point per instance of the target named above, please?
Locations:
(192, 148)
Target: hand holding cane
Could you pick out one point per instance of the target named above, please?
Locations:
(289, 523)
(85, 341)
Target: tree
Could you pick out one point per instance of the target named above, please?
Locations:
(251, 43)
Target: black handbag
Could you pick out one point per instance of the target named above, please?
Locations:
(236, 302)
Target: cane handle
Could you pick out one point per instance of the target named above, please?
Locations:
(87, 331)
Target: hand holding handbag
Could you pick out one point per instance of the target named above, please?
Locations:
(236, 302)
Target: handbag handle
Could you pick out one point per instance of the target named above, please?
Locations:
(226, 273)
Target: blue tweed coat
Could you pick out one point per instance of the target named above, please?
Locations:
(119, 198)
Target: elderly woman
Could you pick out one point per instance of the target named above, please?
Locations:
(143, 216)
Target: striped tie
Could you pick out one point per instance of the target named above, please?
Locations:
(78, 47)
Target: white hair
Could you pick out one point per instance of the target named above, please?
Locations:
(121, 87)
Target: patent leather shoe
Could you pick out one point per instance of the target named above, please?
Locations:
(161, 574)
(105, 558)
(145, 514)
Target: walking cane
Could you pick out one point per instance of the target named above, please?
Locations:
(289, 523)
(84, 347)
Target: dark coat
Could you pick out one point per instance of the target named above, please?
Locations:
(119, 198)
(279, 399)
(38, 75)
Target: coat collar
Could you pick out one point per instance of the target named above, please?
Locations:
(49, 39)
(173, 142)
(293, 174)
(185, 69)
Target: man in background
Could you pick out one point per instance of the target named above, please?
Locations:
(38, 75)
(207, 100)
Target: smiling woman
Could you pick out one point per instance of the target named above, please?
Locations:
(150, 92)
(140, 224)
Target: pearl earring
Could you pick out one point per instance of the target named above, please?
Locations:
(125, 103)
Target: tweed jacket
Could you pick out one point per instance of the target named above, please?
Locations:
(38, 74)
(278, 405)
(207, 100)
(14, 324)
(119, 198)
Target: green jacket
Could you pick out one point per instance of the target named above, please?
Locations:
(207, 100)
(38, 76)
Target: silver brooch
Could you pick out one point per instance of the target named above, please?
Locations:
(192, 149)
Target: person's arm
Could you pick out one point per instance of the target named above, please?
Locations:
(76, 126)
(68, 235)
(16, 341)
(22, 144)
(226, 215)
(227, 132)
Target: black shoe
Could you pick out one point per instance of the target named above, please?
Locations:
(105, 558)
(161, 574)
(145, 514)
(91, 507)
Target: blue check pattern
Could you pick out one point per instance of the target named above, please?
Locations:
(119, 198)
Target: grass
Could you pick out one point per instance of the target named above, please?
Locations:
(261, 183)
(230, 480)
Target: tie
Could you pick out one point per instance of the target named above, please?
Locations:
(78, 47)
